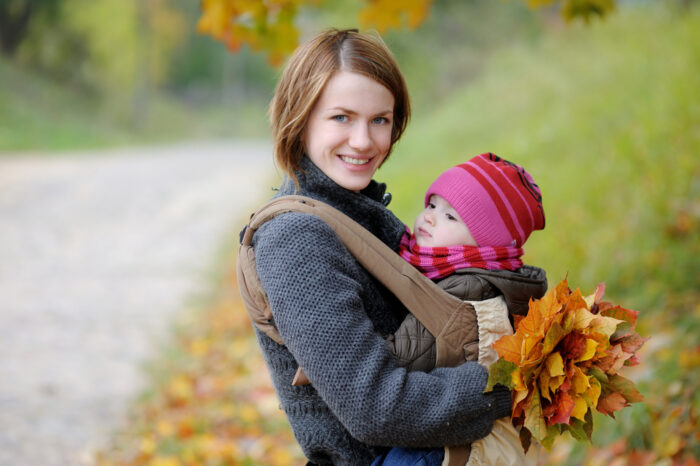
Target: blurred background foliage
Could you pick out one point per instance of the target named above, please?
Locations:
(78, 73)
(605, 114)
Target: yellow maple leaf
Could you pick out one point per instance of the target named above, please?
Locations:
(583, 318)
(554, 335)
(579, 381)
(605, 325)
(592, 395)
(555, 364)
(556, 382)
(580, 408)
(589, 351)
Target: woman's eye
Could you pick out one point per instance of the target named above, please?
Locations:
(340, 118)
(380, 121)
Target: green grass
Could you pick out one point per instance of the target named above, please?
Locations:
(39, 114)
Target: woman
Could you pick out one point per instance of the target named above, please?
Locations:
(339, 107)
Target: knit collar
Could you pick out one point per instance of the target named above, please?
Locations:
(365, 207)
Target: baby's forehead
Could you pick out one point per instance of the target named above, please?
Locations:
(439, 200)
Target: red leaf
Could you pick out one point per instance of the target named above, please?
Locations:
(572, 346)
(559, 412)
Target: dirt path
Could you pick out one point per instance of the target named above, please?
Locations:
(97, 255)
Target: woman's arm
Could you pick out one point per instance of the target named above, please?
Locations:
(316, 296)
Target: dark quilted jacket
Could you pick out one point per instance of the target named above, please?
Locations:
(414, 345)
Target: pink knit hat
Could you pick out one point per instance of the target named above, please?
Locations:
(497, 200)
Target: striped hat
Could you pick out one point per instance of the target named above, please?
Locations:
(497, 200)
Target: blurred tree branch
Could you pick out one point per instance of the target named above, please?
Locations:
(15, 18)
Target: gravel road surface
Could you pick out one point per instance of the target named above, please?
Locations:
(98, 253)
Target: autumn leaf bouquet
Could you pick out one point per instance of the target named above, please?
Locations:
(564, 360)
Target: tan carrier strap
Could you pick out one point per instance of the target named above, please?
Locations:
(441, 313)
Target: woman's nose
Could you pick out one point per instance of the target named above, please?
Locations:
(360, 138)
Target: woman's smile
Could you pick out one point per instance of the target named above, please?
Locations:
(353, 161)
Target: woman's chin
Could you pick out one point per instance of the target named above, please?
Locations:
(352, 180)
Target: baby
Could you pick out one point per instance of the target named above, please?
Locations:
(469, 238)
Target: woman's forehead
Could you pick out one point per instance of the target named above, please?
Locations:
(353, 91)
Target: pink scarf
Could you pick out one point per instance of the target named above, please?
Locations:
(444, 261)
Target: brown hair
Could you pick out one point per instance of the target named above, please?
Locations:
(306, 74)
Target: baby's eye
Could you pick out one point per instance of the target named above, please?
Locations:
(431, 205)
(340, 118)
(451, 217)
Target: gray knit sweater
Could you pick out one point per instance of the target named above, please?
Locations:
(360, 400)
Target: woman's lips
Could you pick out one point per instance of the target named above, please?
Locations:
(354, 160)
(356, 163)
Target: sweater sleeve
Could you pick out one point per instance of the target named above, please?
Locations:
(312, 284)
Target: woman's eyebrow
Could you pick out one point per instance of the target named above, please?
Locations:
(352, 112)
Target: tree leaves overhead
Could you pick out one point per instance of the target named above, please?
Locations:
(263, 25)
(564, 360)
(383, 15)
(269, 25)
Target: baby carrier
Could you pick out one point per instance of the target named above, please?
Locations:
(451, 320)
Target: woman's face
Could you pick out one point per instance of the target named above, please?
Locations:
(348, 134)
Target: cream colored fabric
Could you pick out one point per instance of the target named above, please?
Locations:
(493, 323)
(501, 448)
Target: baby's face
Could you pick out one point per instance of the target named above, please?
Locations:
(439, 225)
